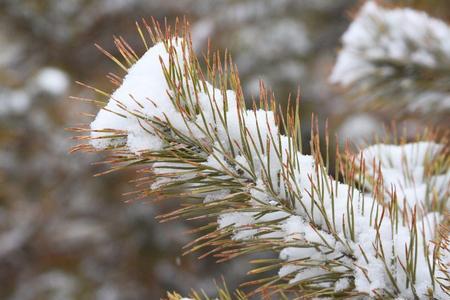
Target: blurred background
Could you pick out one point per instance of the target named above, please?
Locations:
(67, 235)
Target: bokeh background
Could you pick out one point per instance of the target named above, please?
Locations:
(67, 235)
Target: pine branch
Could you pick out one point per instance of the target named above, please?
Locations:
(191, 132)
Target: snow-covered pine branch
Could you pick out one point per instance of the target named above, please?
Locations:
(191, 130)
(399, 56)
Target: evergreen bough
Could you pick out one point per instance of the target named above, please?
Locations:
(375, 228)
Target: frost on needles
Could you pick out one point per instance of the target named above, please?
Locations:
(381, 233)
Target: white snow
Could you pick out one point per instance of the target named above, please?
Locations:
(146, 86)
(242, 220)
(403, 170)
(341, 284)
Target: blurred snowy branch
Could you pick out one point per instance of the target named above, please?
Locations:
(398, 56)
